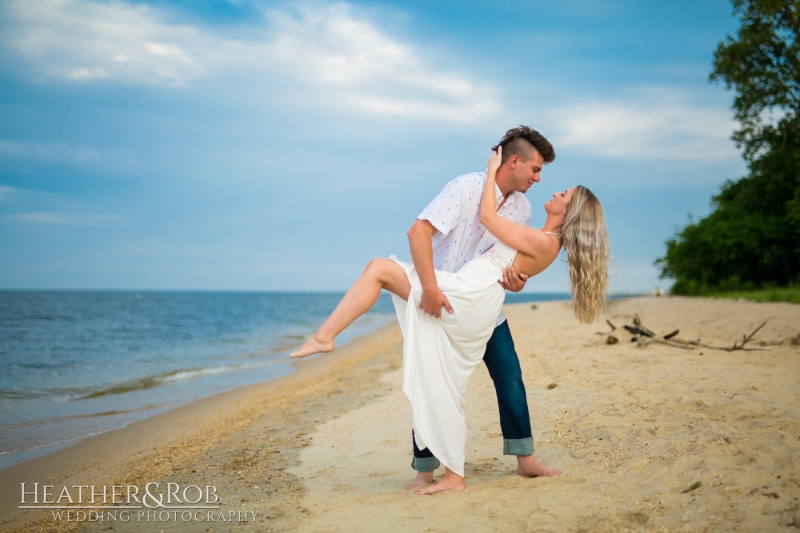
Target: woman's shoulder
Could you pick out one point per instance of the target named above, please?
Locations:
(544, 243)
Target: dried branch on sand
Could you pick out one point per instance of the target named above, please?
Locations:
(644, 336)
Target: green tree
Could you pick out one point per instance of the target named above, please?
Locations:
(762, 65)
(752, 236)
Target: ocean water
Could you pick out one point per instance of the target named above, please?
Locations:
(76, 364)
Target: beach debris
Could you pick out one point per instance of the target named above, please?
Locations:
(552, 386)
(746, 338)
(612, 340)
(612, 326)
(534, 306)
(796, 340)
(645, 336)
(638, 329)
(693, 486)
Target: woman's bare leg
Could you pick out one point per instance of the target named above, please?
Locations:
(379, 274)
(450, 481)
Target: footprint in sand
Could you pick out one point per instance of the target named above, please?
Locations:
(384, 473)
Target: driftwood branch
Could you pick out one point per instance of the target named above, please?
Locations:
(668, 343)
(643, 336)
(612, 326)
(639, 330)
(748, 337)
(736, 346)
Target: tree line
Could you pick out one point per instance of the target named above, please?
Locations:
(751, 238)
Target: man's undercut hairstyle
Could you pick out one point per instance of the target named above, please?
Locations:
(521, 142)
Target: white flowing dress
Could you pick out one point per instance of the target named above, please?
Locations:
(440, 354)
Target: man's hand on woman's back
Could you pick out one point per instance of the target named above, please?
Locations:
(512, 281)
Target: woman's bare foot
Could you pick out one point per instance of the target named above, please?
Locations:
(423, 478)
(450, 481)
(529, 466)
(312, 346)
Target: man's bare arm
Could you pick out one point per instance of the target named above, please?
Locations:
(419, 241)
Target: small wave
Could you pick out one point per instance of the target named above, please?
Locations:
(173, 376)
(160, 379)
(16, 426)
(56, 393)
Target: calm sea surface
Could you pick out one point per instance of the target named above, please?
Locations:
(76, 364)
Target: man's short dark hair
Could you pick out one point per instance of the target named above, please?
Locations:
(520, 141)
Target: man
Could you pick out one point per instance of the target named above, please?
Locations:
(446, 236)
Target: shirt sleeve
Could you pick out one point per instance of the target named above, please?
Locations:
(445, 210)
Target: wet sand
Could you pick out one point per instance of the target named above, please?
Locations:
(633, 428)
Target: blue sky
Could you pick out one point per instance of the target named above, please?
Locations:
(280, 145)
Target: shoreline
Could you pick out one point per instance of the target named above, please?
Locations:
(170, 394)
(111, 454)
(632, 428)
(23, 456)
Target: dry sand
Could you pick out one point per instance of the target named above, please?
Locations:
(633, 428)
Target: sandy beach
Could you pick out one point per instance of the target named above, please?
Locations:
(649, 438)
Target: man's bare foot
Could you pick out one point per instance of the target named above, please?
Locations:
(529, 466)
(423, 478)
(312, 346)
(450, 481)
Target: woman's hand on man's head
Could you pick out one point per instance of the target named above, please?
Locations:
(495, 160)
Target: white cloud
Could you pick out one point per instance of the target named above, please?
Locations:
(84, 41)
(4, 190)
(651, 125)
(343, 58)
(374, 72)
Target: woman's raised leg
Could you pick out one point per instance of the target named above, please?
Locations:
(379, 274)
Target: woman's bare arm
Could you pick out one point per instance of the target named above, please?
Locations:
(530, 241)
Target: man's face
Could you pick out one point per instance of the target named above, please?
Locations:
(525, 173)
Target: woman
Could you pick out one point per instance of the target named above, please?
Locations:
(440, 354)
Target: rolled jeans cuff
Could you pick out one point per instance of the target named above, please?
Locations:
(518, 446)
(425, 464)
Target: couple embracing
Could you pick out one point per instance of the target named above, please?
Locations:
(471, 244)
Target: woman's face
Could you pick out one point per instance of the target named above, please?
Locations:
(557, 205)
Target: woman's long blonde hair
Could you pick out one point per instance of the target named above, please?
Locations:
(588, 253)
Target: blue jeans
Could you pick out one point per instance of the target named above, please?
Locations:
(503, 364)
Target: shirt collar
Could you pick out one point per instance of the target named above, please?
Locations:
(498, 194)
